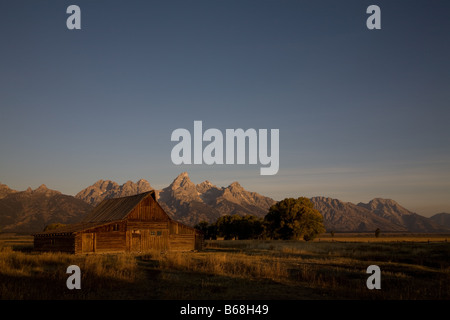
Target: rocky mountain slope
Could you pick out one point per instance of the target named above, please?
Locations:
(346, 216)
(31, 210)
(106, 189)
(184, 200)
(385, 214)
(5, 190)
(391, 210)
(190, 203)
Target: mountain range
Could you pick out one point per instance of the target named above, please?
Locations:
(187, 202)
(31, 210)
(109, 189)
(385, 214)
(190, 203)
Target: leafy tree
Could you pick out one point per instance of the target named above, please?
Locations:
(248, 227)
(294, 219)
(209, 231)
(212, 232)
(202, 226)
(233, 227)
(227, 226)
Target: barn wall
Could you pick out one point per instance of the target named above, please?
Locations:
(106, 238)
(184, 238)
(146, 227)
(110, 241)
(78, 246)
(148, 210)
(163, 236)
(178, 228)
(198, 245)
(155, 225)
(140, 240)
(55, 243)
(181, 242)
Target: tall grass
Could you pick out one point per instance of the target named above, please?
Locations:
(226, 264)
(235, 270)
(43, 275)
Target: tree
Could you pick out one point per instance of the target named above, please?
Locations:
(294, 219)
(234, 227)
(248, 227)
(227, 226)
(377, 232)
(209, 231)
(212, 232)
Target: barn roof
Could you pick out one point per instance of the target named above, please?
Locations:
(70, 228)
(114, 209)
(107, 211)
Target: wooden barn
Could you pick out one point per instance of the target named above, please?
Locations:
(128, 224)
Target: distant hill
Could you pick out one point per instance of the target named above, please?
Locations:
(346, 216)
(394, 212)
(385, 214)
(442, 218)
(32, 210)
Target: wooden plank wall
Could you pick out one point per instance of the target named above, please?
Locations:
(106, 238)
(184, 238)
(58, 243)
(78, 246)
(148, 239)
(181, 242)
(139, 225)
(148, 210)
(110, 241)
(155, 240)
(178, 228)
(198, 242)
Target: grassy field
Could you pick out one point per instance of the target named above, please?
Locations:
(412, 267)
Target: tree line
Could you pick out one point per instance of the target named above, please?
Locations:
(287, 219)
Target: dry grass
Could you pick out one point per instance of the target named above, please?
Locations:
(247, 269)
(238, 265)
(28, 275)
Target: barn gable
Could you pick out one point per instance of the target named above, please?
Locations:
(128, 224)
(117, 208)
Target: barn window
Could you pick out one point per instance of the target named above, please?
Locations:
(152, 233)
(158, 233)
(116, 227)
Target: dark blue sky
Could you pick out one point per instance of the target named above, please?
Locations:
(361, 113)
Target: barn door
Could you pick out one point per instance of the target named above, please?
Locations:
(87, 242)
(136, 241)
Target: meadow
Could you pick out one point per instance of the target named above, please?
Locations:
(412, 267)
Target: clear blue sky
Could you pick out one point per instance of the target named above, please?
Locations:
(361, 113)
